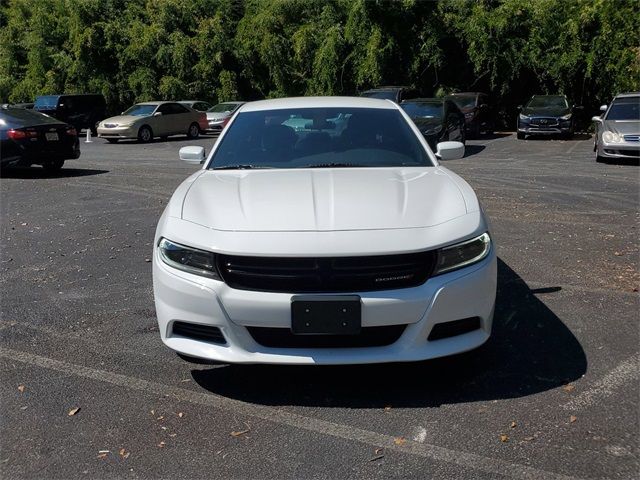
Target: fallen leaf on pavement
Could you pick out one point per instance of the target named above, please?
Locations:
(161, 417)
(504, 438)
(102, 456)
(123, 453)
(513, 425)
(180, 414)
(568, 388)
(172, 434)
(617, 254)
(241, 432)
(528, 439)
(572, 418)
(73, 411)
(379, 450)
(21, 388)
(153, 412)
(161, 445)
(399, 441)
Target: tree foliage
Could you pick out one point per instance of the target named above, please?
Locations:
(135, 50)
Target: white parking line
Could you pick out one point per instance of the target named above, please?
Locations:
(323, 427)
(626, 371)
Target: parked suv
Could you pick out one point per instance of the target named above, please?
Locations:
(397, 94)
(479, 113)
(81, 111)
(546, 115)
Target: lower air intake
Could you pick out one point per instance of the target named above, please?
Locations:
(195, 331)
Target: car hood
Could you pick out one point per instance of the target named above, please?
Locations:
(123, 119)
(426, 123)
(546, 112)
(323, 200)
(622, 127)
(217, 115)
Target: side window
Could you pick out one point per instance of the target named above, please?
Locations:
(177, 108)
(164, 109)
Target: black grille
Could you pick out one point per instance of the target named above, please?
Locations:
(454, 328)
(544, 121)
(368, 337)
(198, 332)
(335, 274)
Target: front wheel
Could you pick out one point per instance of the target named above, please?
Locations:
(194, 131)
(145, 135)
(53, 166)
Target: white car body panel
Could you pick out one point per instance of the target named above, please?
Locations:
(329, 212)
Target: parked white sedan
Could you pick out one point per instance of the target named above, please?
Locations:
(341, 242)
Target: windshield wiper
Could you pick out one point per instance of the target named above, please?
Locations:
(239, 167)
(334, 165)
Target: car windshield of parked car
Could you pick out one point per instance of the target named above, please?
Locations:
(464, 101)
(382, 94)
(141, 110)
(320, 138)
(423, 109)
(46, 101)
(548, 102)
(222, 108)
(625, 109)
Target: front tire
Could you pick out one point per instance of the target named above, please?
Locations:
(194, 131)
(145, 134)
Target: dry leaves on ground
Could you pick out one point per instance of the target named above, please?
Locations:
(21, 388)
(73, 411)
(399, 440)
(568, 388)
(572, 419)
(504, 438)
(123, 453)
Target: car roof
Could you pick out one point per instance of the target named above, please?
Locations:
(556, 95)
(387, 88)
(424, 100)
(192, 101)
(318, 102)
(160, 102)
(627, 94)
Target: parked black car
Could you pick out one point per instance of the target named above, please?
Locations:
(81, 111)
(30, 138)
(439, 119)
(547, 115)
(397, 94)
(479, 113)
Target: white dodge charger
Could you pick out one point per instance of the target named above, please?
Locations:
(323, 231)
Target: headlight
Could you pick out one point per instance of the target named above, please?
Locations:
(463, 254)
(188, 259)
(611, 137)
(523, 117)
(566, 117)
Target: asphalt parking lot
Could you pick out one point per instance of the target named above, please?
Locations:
(554, 393)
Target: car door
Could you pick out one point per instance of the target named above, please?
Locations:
(161, 123)
(181, 118)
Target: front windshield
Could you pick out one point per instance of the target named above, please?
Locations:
(382, 94)
(46, 101)
(625, 109)
(222, 107)
(320, 137)
(464, 101)
(141, 110)
(548, 101)
(423, 109)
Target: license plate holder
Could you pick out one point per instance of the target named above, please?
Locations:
(326, 315)
(51, 136)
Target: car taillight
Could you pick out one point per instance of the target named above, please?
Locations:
(20, 134)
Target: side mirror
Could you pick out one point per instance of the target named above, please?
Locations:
(192, 155)
(450, 150)
(603, 108)
(157, 114)
(596, 119)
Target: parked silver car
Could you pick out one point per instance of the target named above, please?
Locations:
(618, 129)
(145, 121)
(219, 115)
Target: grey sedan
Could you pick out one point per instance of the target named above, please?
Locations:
(618, 129)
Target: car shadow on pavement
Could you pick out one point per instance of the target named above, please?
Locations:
(37, 172)
(530, 351)
(622, 161)
(470, 150)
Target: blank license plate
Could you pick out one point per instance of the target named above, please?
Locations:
(51, 136)
(327, 315)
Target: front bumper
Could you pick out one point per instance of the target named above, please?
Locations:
(622, 150)
(465, 293)
(118, 132)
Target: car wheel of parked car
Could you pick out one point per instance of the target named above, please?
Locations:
(53, 166)
(520, 136)
(112, 140)
(145, 135)
(194, 131)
